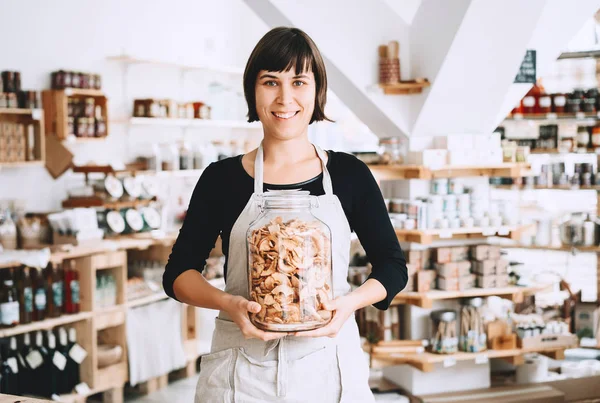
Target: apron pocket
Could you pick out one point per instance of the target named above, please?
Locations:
(254, 380)
(354, 373)
(315, 377)
(214, 382)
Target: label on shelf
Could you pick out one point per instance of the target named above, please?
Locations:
(580, 115)
(503, 230)
(14, 366)
(445, 234)
(36, 114)
(59, 360)
(488, 232)
(449, 362)
(77, 353)
(551, 116)
(34, 359)
(481, 359)
(82, 389)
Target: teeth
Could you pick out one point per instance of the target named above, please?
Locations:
(284, 115)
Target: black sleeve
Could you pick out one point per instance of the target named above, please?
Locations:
(199, 232)
(371, 222)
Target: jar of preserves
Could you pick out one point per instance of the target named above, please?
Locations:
(583, 137)
(391, 150)
(91, 127)
(589, 100)
(97, 81)
(289, 264)
(575, 101)
(596, 136)
(100, 124)
(75, 80)
(544, 103)
(81, 127)
(11, 100)
(88, 107)
(443, 332)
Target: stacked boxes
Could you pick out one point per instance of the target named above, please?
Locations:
(12, 142)
(453, 268)
(419, 277)
(490, 269)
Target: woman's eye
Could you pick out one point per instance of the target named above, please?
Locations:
(299, 83)
(270, 83)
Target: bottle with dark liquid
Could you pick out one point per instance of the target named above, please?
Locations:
(24, 368)
(9, 302)
(10, 368)
(25, 288)
(72, 365)
(71, 288)
(40, 298)
(64, 381)
(55, 290)
(55, 365)
(39, 363)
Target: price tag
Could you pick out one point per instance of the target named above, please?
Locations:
(77, 353)
(445, 234)
(580, 115)
(82, 389)
(503, 231)
(59, 360)
(36, 114)
(68, 92)
(551, 116)
(449, 362)
(34, 359)
(481, 359)
(14, 366)
(488, 232)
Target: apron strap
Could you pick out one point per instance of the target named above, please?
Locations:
(259, 170)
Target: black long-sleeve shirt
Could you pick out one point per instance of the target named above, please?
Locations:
(225, 187)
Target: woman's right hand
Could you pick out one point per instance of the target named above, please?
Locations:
(238, 308)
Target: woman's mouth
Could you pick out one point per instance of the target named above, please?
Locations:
(285, 115)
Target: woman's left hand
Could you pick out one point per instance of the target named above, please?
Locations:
(342, 308)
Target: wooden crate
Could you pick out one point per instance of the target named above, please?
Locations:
(56, 104)
(33, 119)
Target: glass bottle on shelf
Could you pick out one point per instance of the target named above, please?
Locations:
(40, 300)
(186, 156)
(25, 288)
(9, 301)
(169, 157)
(71, 288)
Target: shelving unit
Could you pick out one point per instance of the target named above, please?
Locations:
(426, 237)
(557, 151)
(537, 187)
(56, 104)
(126, 59)
(210, 123)
(425, 299)
(554, 116)
(405, 87)
(396, 172)
(75, 202)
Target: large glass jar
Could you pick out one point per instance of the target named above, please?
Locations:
(392, 150)
(472, 332)
(443, 332)
(289, 264)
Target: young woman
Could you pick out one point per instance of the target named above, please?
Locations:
(285, 87)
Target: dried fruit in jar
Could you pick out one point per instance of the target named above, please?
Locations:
(290, 274)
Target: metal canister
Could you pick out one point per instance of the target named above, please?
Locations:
(151, 218)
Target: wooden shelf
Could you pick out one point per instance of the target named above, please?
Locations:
(18, 111)
(228, 124)
(75, 202)
(188, 67)
(21, 164)
(44, 324)
(425, 299)
(394, 172)
(404, 87)
(537, 187)
(554, 116)
(159, 296)
(426, 361)
(583, 151)
(426, 237)
(83, 140)
(591, 249)
(80, 92)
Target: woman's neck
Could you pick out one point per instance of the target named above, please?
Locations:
(284, 152)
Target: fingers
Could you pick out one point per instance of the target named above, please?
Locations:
(253, 307)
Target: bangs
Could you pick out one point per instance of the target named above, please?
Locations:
(296, 54)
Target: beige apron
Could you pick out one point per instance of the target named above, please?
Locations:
(290, 369)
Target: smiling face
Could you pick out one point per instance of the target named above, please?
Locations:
(285, 102)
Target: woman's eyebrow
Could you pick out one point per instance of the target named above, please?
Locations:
(267, 76)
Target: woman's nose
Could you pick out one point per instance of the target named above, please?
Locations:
(285, 95)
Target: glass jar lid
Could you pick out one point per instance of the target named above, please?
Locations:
(286, 199)
(444, 315)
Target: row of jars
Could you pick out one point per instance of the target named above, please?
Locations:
(471, 337)
(168, 108)
(537, 101)
(62, 79)
(12, 96)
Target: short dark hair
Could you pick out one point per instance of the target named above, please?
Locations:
(279, 50)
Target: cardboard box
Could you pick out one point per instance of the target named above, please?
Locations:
(414, 256)
(538, 393)
(459, 253)
(494, 252)
(543, 341)
(410, 284)
(488, 281)
(453, 269)
(464, 375)
(456, 283)
(426, 280)
(443, 255)
(484, 267)
(479, 252)
(501, 266)
(501, 280)
(504, 342)
(412, 268)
